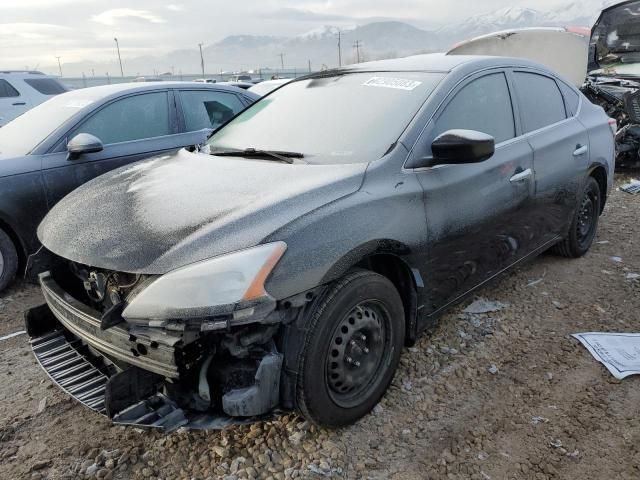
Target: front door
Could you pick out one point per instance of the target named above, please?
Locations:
(478, 215)
(131, 128)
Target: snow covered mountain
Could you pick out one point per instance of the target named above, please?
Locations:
(383, 39)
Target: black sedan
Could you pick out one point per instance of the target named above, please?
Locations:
(59, 145)
(324, 228)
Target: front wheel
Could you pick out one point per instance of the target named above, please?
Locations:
(351, 349)
(8, 260)
(584, 224)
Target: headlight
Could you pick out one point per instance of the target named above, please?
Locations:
(194, 290)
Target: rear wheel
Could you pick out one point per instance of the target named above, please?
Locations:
(351, 349)
(584, 224)
(8, 260)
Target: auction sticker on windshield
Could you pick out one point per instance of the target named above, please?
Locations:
(397, 83)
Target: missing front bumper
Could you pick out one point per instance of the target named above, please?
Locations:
(68, 344)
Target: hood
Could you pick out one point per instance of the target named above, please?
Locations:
(615, 40)
(166, 212)
(563, 50)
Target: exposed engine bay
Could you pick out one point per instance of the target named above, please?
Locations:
(614, 75)
(620, 98)
(164, 374)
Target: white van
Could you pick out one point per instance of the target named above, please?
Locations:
(23, 90)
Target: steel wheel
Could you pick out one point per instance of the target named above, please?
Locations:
(587, 215)
(359, 346)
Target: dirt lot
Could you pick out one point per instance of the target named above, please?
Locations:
(508, 395)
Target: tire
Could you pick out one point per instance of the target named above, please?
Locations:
(352, 342)
(8, 260)
(584, 224)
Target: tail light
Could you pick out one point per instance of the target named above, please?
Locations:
(613, 125)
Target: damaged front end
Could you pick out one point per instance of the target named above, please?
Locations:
(614, 75)
(182, 349)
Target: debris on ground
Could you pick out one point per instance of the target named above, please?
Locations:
(482, 305)
(633, 188)
(11, 335)
(619, 352)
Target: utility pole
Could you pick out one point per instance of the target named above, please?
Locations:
(339, 48)
(309, 65)
(108, 78)
(201, 59)
(59, 66)
(357, 46)
(281, 55)
(119, 57)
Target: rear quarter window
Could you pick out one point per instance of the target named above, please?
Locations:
(571, 98)
(46, 86)
(541, 102)
(7, 90)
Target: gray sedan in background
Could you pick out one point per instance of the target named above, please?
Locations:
(59, 145)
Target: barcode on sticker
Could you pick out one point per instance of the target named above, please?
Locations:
(397, 83)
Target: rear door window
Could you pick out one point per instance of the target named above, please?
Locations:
(131, 118)
(484, 105)
(208, 108)
(7, 90)
(540, 101)
(46, 86)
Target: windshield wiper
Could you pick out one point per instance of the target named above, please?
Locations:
(282, 156)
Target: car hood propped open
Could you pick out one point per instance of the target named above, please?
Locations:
(561, 49)
(166, 212)
(615, 40)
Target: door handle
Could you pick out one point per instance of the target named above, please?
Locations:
(19, 103)
(580, 150)
(521, 176)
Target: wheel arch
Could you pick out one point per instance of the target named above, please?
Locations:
(385, 258)
(17, 242)
(599, 173)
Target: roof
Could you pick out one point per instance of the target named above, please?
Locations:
(431, 62)
(103, 91)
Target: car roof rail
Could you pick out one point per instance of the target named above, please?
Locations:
(33, 72)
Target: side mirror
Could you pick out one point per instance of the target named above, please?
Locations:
(456, 147)
(83, 143)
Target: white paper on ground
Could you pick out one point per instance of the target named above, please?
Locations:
(619, 352)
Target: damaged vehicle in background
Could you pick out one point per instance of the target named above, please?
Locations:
(603, 61)
(285, 266)
(614, 75)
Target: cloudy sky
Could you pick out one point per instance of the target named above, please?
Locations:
(34, 32)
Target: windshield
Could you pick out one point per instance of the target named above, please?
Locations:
(346, 118)
(26, 132)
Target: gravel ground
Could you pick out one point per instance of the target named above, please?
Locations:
(503, 395)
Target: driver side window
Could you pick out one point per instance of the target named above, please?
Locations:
(131, 118)
(484, 105)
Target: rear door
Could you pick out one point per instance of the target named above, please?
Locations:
(477, 214)
(207, 109)
(560, 148)
(13, 101)
(131, 128)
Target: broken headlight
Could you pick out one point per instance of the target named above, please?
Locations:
(207, 288)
